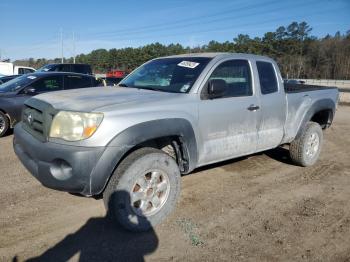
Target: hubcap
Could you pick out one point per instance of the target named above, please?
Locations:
(2, 124)
(313, 144)
(150, 192)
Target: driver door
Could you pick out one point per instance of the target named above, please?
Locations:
(228, 124)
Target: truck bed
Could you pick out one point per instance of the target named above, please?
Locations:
(300, 98)
(297, 88)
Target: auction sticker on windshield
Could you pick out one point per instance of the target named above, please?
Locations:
(188, 64)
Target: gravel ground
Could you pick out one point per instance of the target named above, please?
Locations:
(258, 208)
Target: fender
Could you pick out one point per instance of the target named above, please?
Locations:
(137, 134)
(12, 107)
(323, 104)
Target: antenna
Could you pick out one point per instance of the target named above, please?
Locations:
(61, 45)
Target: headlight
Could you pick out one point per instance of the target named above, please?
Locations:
(75, 126)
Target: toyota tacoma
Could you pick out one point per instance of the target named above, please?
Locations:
(130, 144)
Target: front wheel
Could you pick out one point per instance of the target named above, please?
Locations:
(143, 190)
(306, 149)
(4, 124)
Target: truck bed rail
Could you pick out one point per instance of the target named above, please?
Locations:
(298, 88)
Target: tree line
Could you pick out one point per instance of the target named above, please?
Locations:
(298, 53)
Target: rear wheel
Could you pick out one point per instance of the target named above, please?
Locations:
(143, 190)
(4, 124)
(306, 149)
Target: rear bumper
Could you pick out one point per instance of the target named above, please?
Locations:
(74, 169)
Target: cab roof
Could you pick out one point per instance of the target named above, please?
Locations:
(221, 55)
(41, 74)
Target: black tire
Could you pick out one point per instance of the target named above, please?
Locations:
(299, 147)
(117, 195)
(4, 124)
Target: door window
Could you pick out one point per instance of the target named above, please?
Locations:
(48, 83)
(63, 68)
(237, 76)
(28, 70)
(76, 81)
(267, 77)
(22, 71)
(82, 69)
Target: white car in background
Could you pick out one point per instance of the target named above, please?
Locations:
(7, 68)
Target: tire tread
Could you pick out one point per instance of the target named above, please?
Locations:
(115, 179)
(7, 124)
(297, 146)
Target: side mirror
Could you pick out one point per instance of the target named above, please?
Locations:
(216, 88)
(30, 91)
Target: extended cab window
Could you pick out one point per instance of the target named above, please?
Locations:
(267, 77)
(48, 83)
(237, 76)
(76, 81)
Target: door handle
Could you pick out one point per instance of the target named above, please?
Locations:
(253, 108)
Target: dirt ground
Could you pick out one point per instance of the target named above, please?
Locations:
(259, 208)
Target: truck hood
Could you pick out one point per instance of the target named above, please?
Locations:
(92, 99)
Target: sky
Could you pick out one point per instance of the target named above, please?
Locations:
(33, 28)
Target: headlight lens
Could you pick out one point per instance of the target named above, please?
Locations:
(75, 126)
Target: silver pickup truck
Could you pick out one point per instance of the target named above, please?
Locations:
(130, 144)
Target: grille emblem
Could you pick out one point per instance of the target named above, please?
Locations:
(30, 119)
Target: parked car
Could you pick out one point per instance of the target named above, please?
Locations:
(75, 68)
(168, 117)
(9, 69)
(4, 79)
(116, 73)
(15, 92)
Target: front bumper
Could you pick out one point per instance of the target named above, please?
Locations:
(74, 169)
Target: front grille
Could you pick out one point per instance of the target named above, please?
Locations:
(37, 117)
(34, 119)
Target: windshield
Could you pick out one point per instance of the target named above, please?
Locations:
(176, 75)
(17, 83)
(46, 68)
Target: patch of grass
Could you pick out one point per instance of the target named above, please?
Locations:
(190, 229)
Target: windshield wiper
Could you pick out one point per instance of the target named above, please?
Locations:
(157, 89)
(152, 88)
(148, 88)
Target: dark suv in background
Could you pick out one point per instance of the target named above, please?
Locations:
(15, 92)
(76, 68)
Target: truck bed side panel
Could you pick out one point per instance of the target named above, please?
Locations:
(302, 105)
